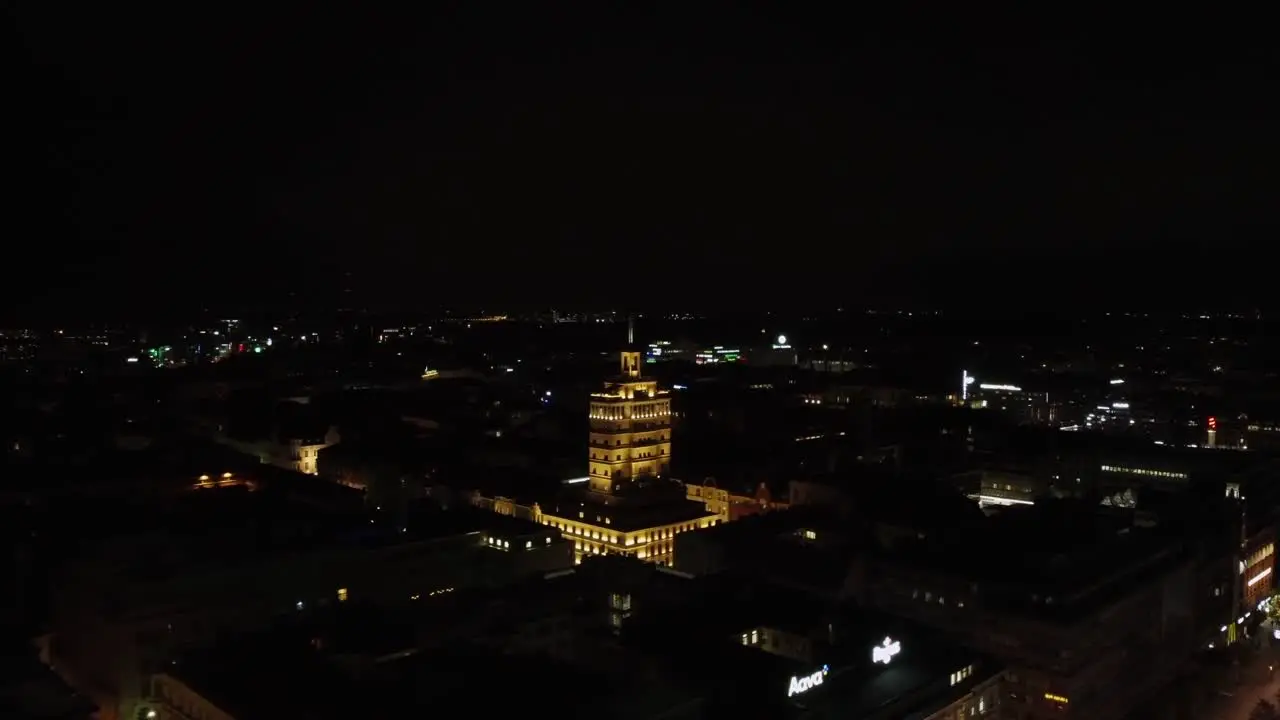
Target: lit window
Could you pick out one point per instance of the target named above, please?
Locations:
(342, 594)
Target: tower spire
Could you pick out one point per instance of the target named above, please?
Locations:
(631, 330)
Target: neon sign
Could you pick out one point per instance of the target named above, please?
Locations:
(804, 684)
(885, 651)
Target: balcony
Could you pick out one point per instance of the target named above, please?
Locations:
(647, 442)
(624, 427)
(619, 395)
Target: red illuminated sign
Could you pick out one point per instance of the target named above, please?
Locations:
(1213, 423)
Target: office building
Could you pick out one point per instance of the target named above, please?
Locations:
(767, 651)
(628, 504)
(1091, 611)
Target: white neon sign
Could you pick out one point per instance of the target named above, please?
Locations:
(885, 651)
(1259, 577)
(806, 683)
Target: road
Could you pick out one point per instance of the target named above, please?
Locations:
(1255, 681)
(1222, 685)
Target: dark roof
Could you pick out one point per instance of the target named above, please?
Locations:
(302, 683)
(29, 689)
(1065, 549)
(316, 682)
(626, 514)
(706, 635)
(881, 494)
(229, 526)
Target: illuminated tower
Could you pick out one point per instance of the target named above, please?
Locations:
(630, 428)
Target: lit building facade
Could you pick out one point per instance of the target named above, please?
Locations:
(1257, 555)
(627, 508)
(1001, 487)
(630, 429)
(652, 541)
(287, 450)
(729, 506)
(1258, 567)
(1022, 405)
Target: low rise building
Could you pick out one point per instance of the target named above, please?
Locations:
(268, 676)
(729, 505)
(1091, 611)
(772, 652)
(293, 445)
(227, 559)
(620, 628)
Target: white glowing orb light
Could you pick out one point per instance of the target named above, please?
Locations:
(782, 339)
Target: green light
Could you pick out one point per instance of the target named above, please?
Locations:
(257, 348)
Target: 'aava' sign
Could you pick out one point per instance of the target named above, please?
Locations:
(806, 683)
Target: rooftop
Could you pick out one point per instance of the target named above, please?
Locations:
(1068, 555)
(627, 513)
(878, 493)
(310, 681)
(842, 639)
(223, 527)
(1029, 445)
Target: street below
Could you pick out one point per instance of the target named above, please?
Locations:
(1236, 690)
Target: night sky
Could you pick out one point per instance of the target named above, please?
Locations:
(549, 158)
